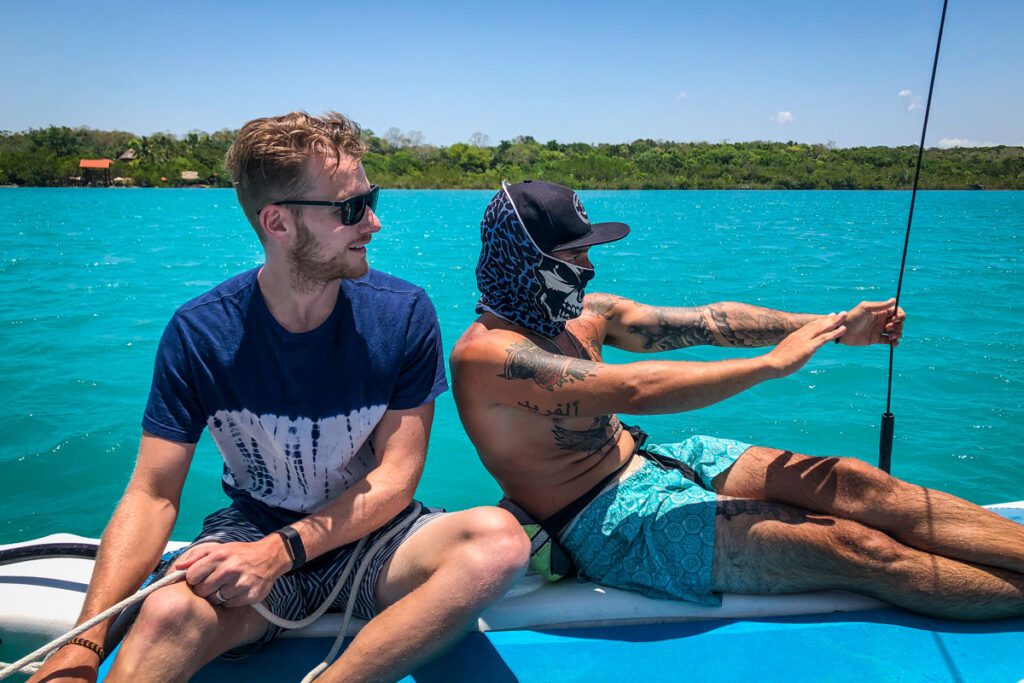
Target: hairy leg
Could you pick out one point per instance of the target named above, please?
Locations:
(177, 633)
(763, 547)
(923, 518)
(433, 587)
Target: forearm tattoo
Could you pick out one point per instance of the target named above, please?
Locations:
(749, 326)
(604, 430)
(526, 361)
(676, 330)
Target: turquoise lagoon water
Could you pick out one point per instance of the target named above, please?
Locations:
(89, 277)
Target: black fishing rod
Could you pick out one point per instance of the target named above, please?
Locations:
(888, 419)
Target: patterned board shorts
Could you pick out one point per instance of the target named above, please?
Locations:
(298, 594)
(654, 532)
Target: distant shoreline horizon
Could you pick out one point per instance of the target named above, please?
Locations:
(64, 157)
(419, 140)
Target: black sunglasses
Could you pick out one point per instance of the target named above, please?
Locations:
(350, 210)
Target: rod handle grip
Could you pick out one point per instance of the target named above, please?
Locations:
(885, 442)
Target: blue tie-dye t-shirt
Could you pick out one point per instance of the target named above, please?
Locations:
(292, 414)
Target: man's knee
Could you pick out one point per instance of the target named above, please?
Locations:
(846, 487)
(865, 488)
(492, 545)
(864, 548)
(174, 611)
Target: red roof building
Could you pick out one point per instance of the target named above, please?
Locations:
(91, 165)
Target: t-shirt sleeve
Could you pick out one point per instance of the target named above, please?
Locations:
(173, 411)
(423, 376)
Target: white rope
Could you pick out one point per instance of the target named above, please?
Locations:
(73, 633)
(23, 665)
(28, 669)
(374, 549)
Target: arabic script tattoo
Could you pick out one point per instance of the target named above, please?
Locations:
(567, 409)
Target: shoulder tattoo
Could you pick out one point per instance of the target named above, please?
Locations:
(525, 360)
(602, 304)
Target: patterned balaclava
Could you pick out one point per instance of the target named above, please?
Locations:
(518, 281)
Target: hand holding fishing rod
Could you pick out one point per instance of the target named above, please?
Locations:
(874, 322)
(793, 352)
(869, 322)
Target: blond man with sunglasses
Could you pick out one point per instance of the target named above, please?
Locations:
(315, 376)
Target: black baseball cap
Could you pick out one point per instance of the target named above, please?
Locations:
(555, 218)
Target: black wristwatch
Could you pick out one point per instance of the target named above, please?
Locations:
(293, 542)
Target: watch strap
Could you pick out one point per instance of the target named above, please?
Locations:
(293, 544)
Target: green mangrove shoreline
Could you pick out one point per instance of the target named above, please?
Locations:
(50, 157)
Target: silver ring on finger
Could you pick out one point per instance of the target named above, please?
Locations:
(220, 597)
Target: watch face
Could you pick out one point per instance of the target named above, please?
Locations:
(293, 543)
(288, 547)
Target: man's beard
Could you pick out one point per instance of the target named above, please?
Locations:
(309, 270)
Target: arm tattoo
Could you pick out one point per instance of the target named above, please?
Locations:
(749, 327)
(686, 329)
(602, 304)
(604, 430)
(526, 361)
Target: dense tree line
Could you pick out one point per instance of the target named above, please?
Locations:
(50, 157)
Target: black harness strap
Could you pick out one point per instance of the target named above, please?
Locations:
(555, 523)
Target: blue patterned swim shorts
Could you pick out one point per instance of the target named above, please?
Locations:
(654, 532)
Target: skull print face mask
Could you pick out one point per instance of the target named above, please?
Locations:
(518, 281)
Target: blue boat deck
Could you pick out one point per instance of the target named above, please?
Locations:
(877, 645)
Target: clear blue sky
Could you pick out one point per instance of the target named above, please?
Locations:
(812, 71)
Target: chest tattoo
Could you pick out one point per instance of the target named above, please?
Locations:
(605, 429)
